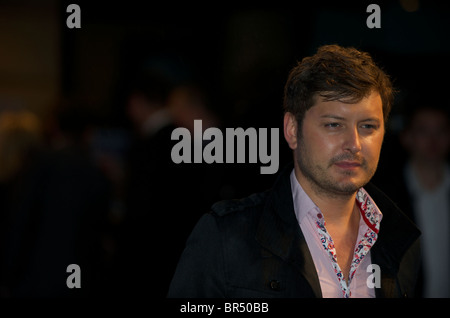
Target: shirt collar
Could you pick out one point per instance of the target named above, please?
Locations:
(303, 205)
(370, 212)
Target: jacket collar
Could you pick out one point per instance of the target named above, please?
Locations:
(278, 231)
(397, 234)
(397, 231)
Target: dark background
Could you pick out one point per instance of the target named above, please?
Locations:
(75, 82)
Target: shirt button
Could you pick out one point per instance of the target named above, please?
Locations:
(319, 215)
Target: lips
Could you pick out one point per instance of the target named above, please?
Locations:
(348, 164)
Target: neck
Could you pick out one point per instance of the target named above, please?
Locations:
(339, 210)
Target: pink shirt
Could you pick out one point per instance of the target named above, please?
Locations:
(321, 245)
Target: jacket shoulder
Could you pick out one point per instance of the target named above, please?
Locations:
(226, 207)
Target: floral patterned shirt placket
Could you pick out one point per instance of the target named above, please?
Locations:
(328, 245)
(372, 219)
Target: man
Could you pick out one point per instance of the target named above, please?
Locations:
(421, 187)
(323, 228)
(427, 179)
(147, 174)
(156, 105)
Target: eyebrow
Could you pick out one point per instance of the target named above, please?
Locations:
(343, 118)
(333, 117)
(372, 119)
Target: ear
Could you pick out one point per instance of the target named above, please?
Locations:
(290, 130)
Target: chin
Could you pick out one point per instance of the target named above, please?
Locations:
(350, 187)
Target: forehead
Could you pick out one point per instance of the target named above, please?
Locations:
(370, 106)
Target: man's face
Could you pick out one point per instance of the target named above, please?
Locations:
(428, 138)
(339, 144)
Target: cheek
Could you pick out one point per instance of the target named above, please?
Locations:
(318, 147)
(372, 148)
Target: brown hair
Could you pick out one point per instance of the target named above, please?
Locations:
(335, 73)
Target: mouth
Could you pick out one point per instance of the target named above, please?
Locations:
(348, 164)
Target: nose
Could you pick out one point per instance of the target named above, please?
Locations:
(352, 141)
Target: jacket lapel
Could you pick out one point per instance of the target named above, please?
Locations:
(381, 257)
(303, 260)
(397, 234)
(278, 231)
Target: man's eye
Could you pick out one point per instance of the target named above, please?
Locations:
(332, 125)
(369, 126)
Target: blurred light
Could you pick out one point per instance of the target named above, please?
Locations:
(410, 5)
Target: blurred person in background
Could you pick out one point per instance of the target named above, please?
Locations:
(427, 177)
(163, 200)
(20, 141)
(55, 205)
(420, 185)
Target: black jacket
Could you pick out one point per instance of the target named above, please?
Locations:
(254, 247)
